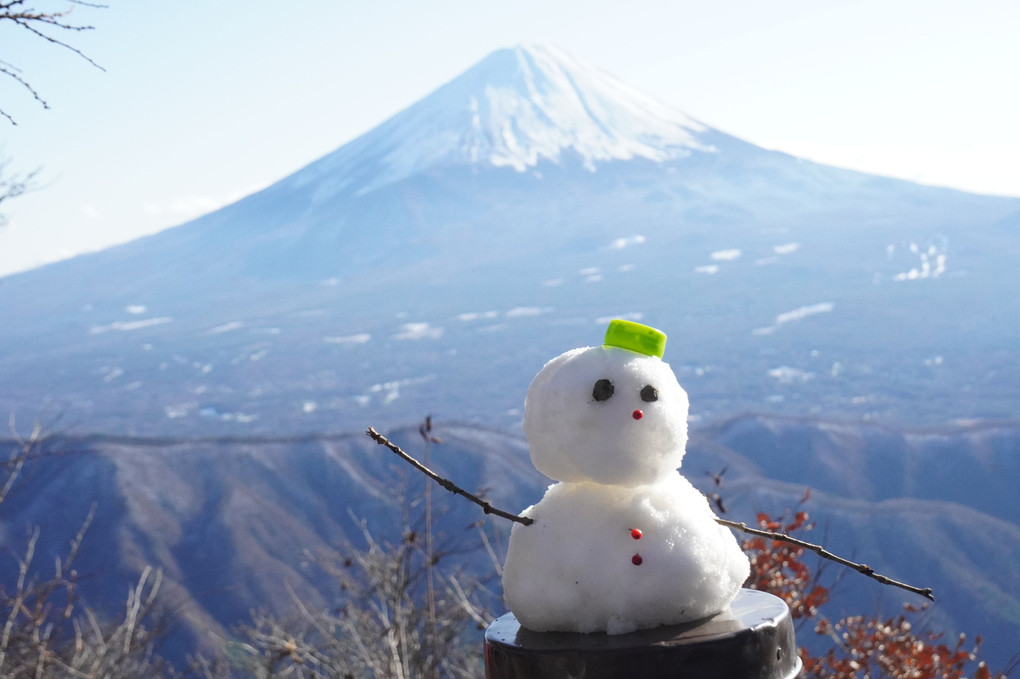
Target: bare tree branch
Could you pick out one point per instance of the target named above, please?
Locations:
(743, 527)
(44, 25)
(445, 483)
(863, 569)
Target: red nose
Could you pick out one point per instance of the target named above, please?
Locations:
(637, 414)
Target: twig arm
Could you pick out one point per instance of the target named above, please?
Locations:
(864, 569)
(743, 527)
(445, 483)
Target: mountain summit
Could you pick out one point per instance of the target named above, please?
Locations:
(516, 107)
(435, 263)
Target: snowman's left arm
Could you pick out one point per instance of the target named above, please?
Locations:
(826, 554)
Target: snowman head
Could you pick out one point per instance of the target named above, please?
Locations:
(612, 414)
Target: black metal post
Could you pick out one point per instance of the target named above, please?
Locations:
(754, 639)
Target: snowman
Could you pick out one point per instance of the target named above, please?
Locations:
(622, 541)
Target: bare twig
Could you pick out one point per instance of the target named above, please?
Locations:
(41, 24)
(425, 430)
(445, 483)
(863, 569)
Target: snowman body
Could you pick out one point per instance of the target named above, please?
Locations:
(622, 541)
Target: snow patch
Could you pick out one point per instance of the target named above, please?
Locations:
(626, 241)
(127, 326)
(214, 413)
(416, 331)
(469, 316)
(797, 314)
(787, 375)
(226, 327)
(924, 262)
(523, 311)
(359, 338)
(177, 411)
(725, 255)
(803, 312)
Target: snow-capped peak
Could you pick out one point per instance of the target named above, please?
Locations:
(515, 108)
(551, 102)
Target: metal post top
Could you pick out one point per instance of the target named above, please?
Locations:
(754, 638)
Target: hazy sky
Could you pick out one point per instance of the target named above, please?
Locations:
(204, 101)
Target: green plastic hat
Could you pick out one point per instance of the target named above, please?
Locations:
(635, 337)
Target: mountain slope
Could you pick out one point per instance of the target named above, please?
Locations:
(434, 264)
(237, 524)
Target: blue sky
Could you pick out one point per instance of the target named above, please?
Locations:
(203, 102)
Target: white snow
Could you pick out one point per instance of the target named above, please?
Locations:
(930, 262)
(579, 568)
(622, 542)
(725, 255)
(803, 312)
(416, 331)
(112, 374)
(626, 241)
(517, 108)
(127, 326)
(797, 314)
(359, 338)
(390, 391)
(226, 327)
(524, 311)
(177, 411)
(468, 316)
(787, 375)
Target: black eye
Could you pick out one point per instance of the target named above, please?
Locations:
(649, 394)
(603, 390)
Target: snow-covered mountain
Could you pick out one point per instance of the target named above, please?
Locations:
(435, 263)
(516, 109)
